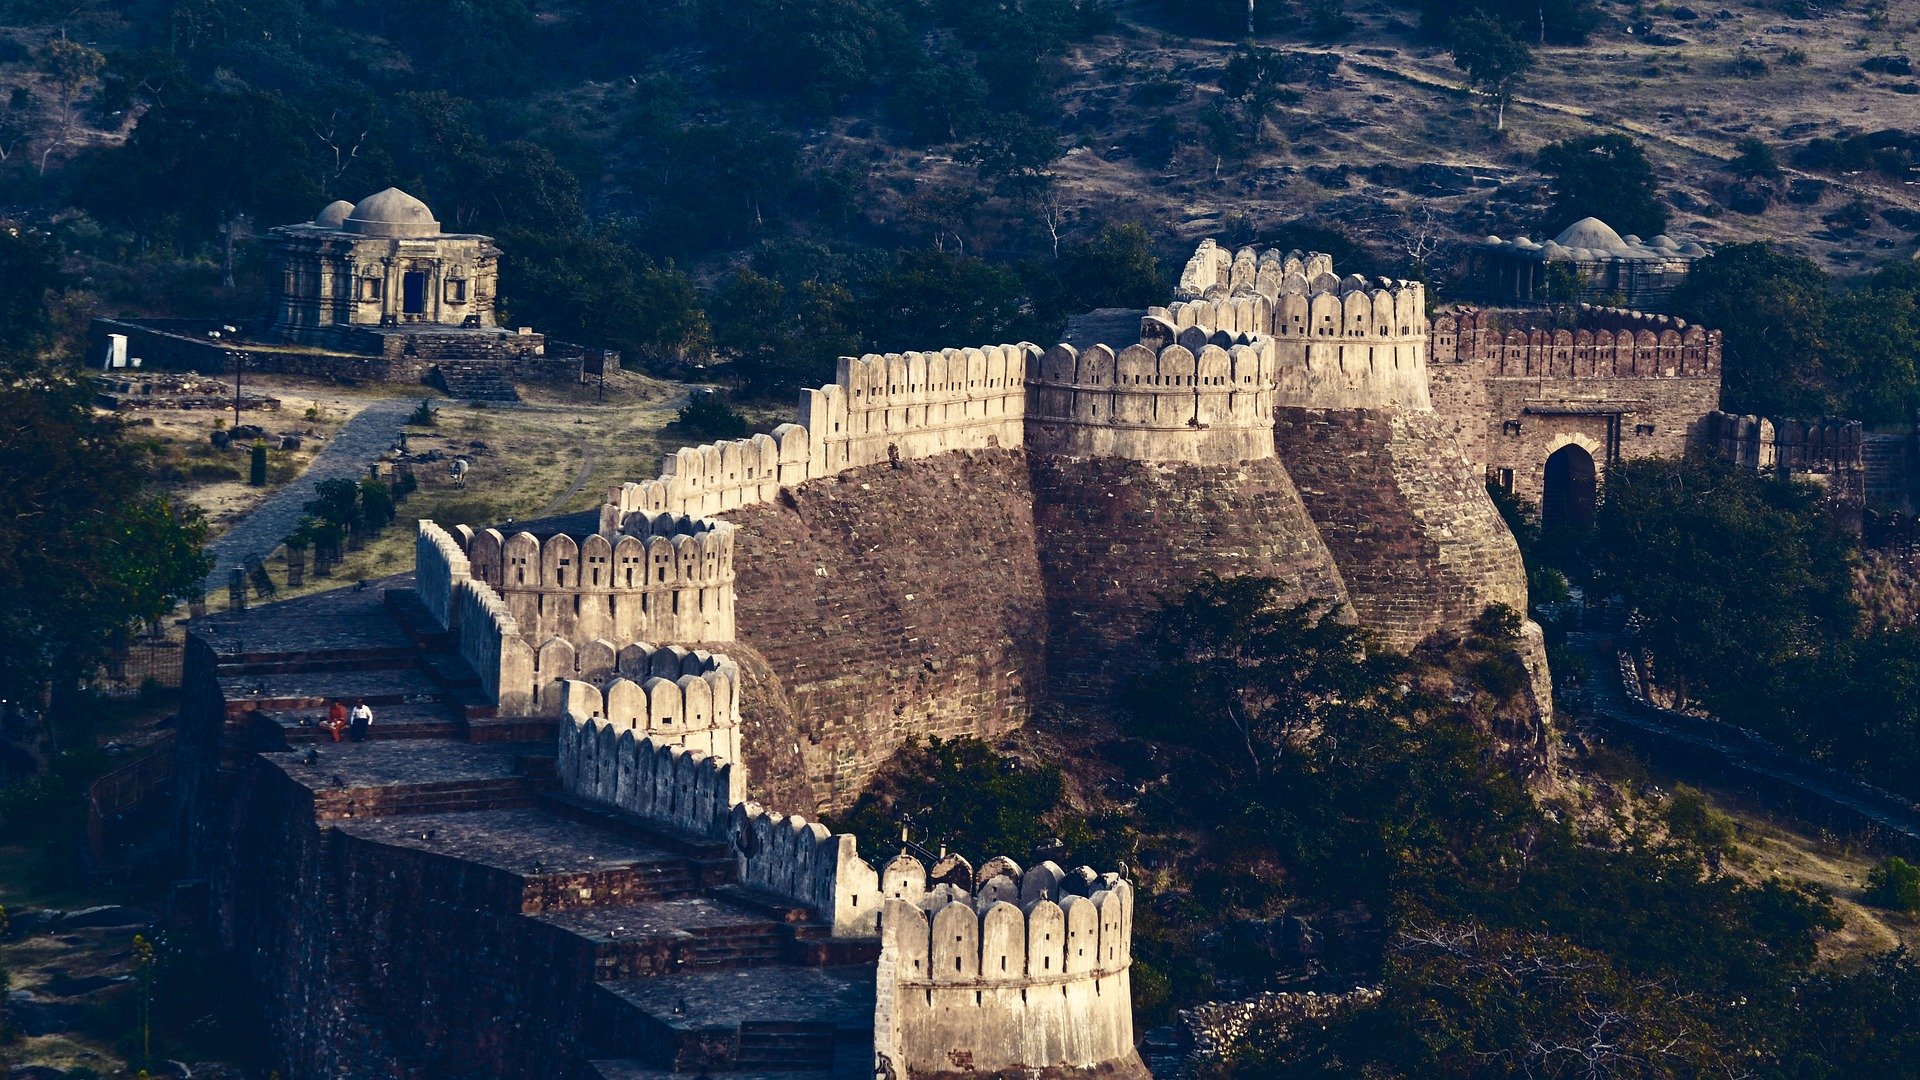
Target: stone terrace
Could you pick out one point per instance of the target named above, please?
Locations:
(476, 921)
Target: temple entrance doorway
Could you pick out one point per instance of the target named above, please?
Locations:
(413, 292)
(1567, 498)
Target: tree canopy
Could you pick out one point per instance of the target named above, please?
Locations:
(1602, 176)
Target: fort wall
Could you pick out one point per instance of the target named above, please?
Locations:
(1406, 516)
(1197, 400)
(695, 792)
(664, 577)
(1340, 342)
(1119, 538)
(674, 696)
(1032, 972)
(1623, 385)
(898, 406)
(895, 603)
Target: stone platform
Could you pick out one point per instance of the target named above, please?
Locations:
(426, 904)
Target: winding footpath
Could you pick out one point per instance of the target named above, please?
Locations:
(359, 442)
(1688, 744)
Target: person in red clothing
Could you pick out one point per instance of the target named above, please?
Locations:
(337, 719)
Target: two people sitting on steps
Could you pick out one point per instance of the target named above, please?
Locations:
(357, 723)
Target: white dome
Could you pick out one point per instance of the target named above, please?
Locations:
(1591, 233)
(334, 216)
(392, 213)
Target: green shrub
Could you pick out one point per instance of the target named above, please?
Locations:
(1894, 884)
(1691, 818)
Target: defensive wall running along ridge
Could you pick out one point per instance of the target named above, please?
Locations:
(602, 711)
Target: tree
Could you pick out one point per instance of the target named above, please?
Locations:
(938, 300)
(1603, 174)
(779, 339)
(69, 67)
(593, 286)
(1264, 673)
(220, 157)
(29, 271)
(1114, 267)
(1493, 59)
(959, 794)
(1014, 153)
(86, 552)
(1741, 581)
(1772, 308)
(1894, 883)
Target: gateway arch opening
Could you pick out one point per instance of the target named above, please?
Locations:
(1567, 500)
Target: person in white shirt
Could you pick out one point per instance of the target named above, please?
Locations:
(359, 721)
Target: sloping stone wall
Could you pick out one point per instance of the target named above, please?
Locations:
(1407, 517)
(1119, 538)
(893, 603)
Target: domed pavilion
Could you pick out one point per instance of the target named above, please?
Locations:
(1621, 271)
(380, 277)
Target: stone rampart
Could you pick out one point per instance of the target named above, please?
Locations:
(896, 603)
(672, 695)
(664, 577)
(1215, 272)
(705, 794)
(1029, 972)
(900, 406)
(1828, 445)
(1609, 344)
(491, 644)
(1341, 342)
(1406, 515)
(1202, 399)
(1118, 539)
(439, 566)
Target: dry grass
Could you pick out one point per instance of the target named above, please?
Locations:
(1397, 101)
(556, 453)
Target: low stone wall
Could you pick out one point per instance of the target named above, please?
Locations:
(1219, 1029)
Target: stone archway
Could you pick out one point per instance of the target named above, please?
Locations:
(1570, 488)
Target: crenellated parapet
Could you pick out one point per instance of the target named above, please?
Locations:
(1009, 971)
(1608, 343)
(664, 577)
(1342, 343)
(1202, 398)
(621, 764)
(439, 566)
(490, 642)
(897, 406)
(916, 405)
(1215, 272)
(675, 696)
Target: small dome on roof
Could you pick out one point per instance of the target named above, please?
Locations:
(392, 213)
(1492, 240)
(1591, 233)
(334, 216)
(1665, 243)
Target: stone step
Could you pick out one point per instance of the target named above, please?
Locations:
(753, 1019)
(427, 799)
(646, 940)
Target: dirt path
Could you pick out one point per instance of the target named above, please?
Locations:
(357, 444)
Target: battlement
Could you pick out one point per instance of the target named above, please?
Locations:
(896, 406)
(1205, 398)
(675, 696)
(704, 793)
(1341, 343)
(1029, 970)
(1609, 343)
(1215, 272)
(1829, 445)
(665, 577)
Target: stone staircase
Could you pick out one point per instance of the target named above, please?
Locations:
(649, 957)
(475, 380)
